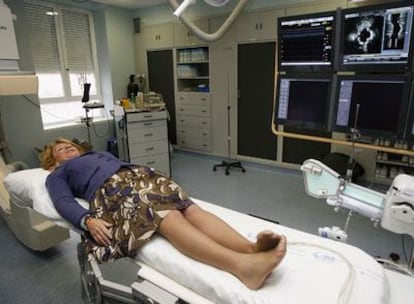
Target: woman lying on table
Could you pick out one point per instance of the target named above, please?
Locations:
(128, 203)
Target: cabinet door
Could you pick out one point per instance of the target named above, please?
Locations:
(256, 63)
(161, 80)
(257, 26)
(157, 36)
(183, 36)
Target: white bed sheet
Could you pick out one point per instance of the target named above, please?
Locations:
(308, 274)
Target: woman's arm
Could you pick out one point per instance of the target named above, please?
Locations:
(64, 200)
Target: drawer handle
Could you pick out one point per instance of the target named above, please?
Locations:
(182, 120)
(147, 123)
(149, 149)
(147, 116)
(204, 134)
(150, 162)
(203, 111)
(148, 135)
(204, 123)
(203, 99)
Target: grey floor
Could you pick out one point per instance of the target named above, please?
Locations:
(276, 194)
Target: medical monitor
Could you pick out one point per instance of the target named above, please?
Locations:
(303, 101)
(306, 42)
(377, 38)
(383, 104)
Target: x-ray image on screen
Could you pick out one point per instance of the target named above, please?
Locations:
(395, 28)
(363, 35)
(377, 38)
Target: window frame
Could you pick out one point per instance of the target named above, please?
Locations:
(98, 114)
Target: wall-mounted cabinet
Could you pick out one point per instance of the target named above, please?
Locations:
(157, 36)
(257, 26)
(193, 70)
(184, 37)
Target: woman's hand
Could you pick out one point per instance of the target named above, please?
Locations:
(100, 231)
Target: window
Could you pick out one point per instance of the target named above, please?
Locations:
(64, 58)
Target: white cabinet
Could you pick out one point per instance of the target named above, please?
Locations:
(258, 26)
(193, 121)
(156, 36)
(143, 139)
(183, 36)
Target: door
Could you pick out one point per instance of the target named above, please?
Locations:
(161, 80)
(256, 74)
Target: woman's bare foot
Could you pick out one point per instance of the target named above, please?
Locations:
(258, 266)
(266, 240)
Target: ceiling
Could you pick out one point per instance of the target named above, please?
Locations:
(131, 3)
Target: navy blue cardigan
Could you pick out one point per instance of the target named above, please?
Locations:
(80, 177)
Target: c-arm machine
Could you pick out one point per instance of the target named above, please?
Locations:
(394, 210)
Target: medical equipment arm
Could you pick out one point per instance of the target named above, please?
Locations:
(394, 210)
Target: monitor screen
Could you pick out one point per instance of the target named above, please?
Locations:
(382, 100)
(306, 42)
(376, 38)
(303, 101)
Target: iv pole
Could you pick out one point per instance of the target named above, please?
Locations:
(229, 164)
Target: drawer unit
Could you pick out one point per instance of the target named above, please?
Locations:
(144, 139)
(193, 120)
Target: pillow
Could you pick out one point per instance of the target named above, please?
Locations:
(22, 184)
(28, 187)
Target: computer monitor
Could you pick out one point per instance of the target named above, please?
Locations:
(383, 104)
(377, 38)
(307, 42)
(303, 101)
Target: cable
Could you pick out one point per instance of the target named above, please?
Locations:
(344, 296)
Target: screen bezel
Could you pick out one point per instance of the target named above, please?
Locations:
(310, 67)
(372, 66)
(399, 133)
(324, 126)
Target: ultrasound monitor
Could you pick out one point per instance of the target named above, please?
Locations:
(306, 42)
(382, 100)
(303, 101)
(377, 38)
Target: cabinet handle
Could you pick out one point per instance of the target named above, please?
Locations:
(257, 26)
(149, 149)
(148, 135)
(204, 123)
(204, 99)
(261, 25)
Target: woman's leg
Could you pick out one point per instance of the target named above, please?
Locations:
(251, 269)
(225, 235)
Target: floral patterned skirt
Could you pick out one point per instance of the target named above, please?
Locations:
(134, 200)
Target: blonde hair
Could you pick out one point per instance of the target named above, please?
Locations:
(47, 158)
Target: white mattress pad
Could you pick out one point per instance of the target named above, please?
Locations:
(309, 273)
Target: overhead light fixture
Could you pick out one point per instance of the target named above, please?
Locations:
(179, 9)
